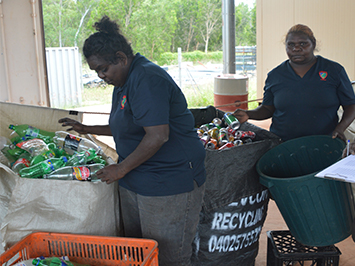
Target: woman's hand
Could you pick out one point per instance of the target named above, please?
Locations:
(338, 133)
(351, 150)
(241, 115)
(75, 125)
(111, 173)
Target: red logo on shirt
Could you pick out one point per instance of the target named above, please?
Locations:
(123, 102)
(323, 74)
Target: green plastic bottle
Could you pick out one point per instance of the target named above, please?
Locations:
(58, 151)
(53, 261)
(42, 168)
(97, 159)
(30, 132)
(48, 154)
(81, 158)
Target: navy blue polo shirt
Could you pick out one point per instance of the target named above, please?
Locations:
(150, 97)
(307, 106)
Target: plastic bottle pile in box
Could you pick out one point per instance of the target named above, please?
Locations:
(35, 153)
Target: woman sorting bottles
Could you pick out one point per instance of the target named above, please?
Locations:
(303, 94)
(161, 170)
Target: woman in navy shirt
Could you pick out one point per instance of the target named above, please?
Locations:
(161, 170)
(304, 93)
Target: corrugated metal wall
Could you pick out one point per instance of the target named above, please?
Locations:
(23, 77)
(64, 76)
(332, 23)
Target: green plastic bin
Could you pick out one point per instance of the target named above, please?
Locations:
(318, 212)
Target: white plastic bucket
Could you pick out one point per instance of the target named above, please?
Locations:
(230, 91)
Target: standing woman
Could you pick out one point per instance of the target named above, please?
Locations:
(303, 94)
(161, 159)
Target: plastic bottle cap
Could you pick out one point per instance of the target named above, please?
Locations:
(11, 126)
(65, 159)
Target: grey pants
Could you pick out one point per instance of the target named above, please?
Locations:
(170, 220)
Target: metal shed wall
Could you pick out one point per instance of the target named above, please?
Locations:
(332, 23)
(64, 76)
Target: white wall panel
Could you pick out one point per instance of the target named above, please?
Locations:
(332, 23)
(22, 60)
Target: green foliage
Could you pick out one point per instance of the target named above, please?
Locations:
(168, 59)
(245, 25)
(154, 24)
(195, 57)
(155, 27)
(199, 96)
(208, 20)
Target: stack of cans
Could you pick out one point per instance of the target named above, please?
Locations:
(216, 137)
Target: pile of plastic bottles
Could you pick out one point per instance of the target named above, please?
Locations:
(36, 153)
(49, 261)
(216, 136)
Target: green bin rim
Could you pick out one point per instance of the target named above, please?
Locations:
(307, 176)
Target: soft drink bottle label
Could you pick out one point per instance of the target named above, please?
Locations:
(81, 173)
(49, 165)
(32, 132)
(21, 161)
(72, 142)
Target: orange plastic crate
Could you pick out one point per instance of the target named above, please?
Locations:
(85, 249)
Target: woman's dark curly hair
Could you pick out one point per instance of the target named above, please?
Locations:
(107, 41)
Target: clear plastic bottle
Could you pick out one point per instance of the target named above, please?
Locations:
(42, 168)
(72, 143)
(3, 158)
(38, 150)
(23, 161)
(30, 132)
(81, 173)
(9, 150)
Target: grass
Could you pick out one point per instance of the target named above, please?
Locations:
(99, 95)
(200, 95)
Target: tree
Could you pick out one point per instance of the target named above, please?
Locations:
(209, 17)
(244, 27)
(186, 11)
(153, 27)
(119, 10)
(63, 21)
(114, 9)
(252, 36)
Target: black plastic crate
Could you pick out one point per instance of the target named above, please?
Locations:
(284, 250)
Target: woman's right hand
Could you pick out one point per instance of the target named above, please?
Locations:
(75, 125)
(241, 115)
(351, 150)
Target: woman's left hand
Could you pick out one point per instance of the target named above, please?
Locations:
(110, 173)
(339, 134)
